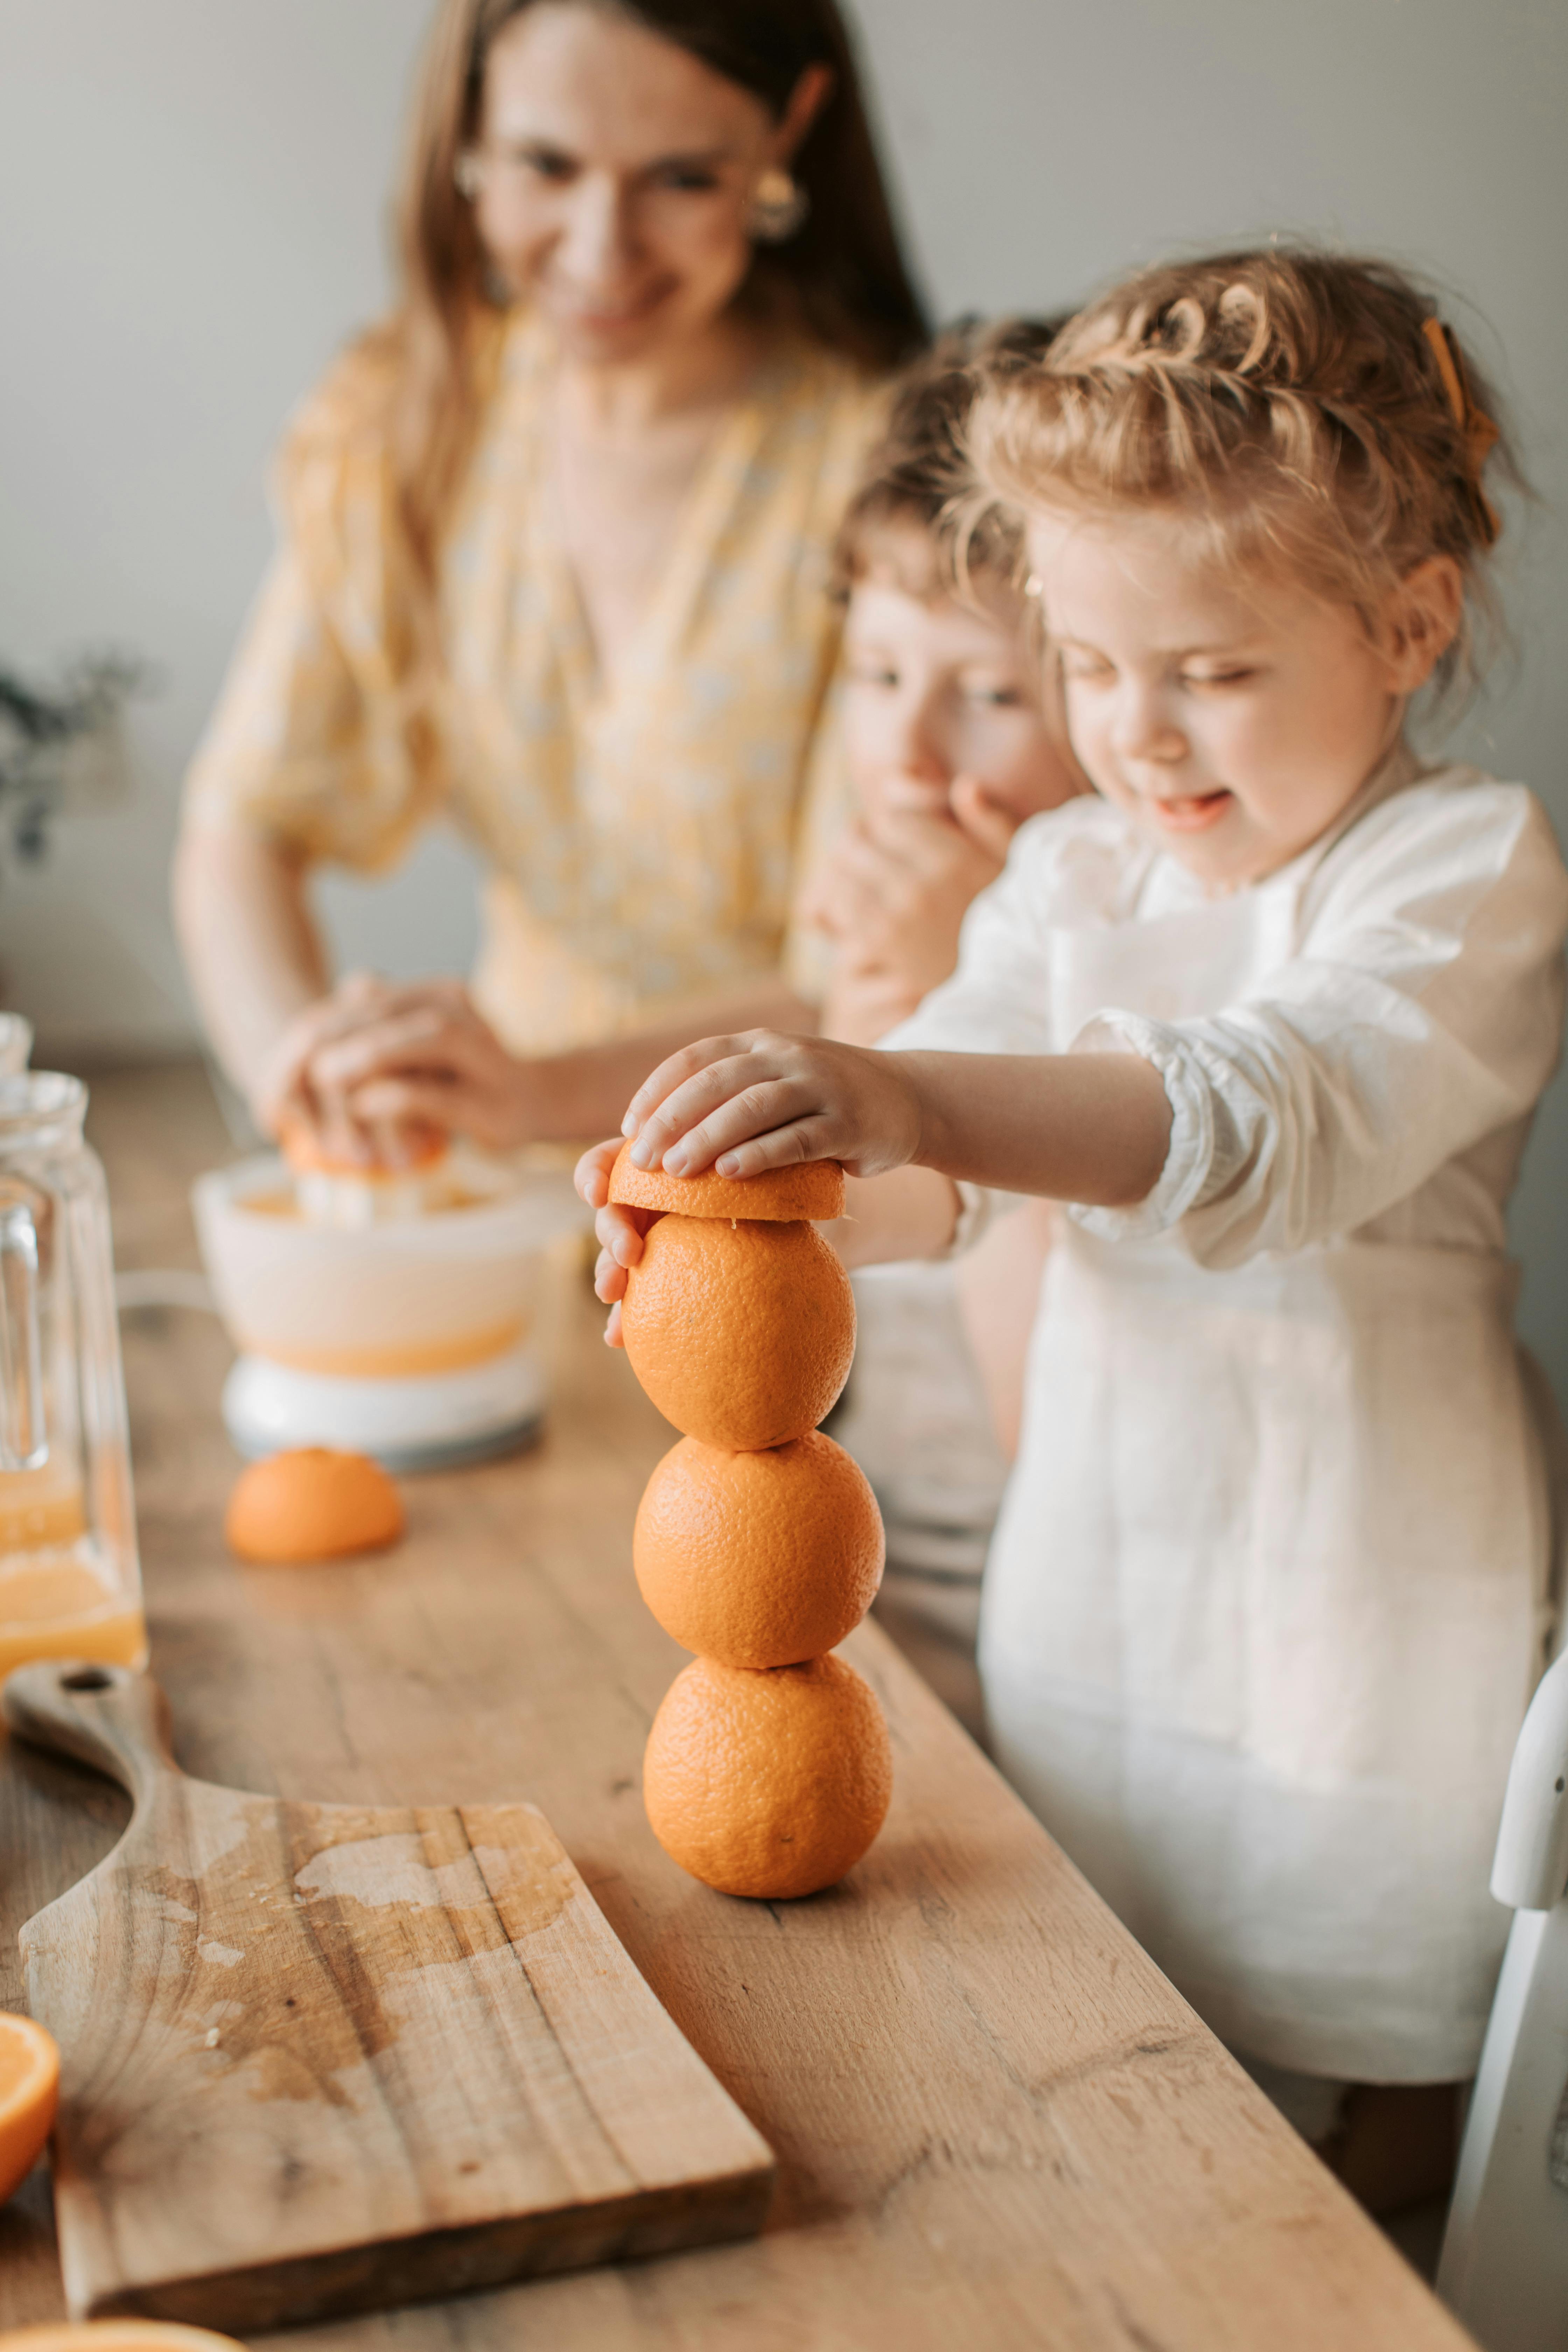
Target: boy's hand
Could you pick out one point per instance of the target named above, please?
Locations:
(898, 883)
(744, 1104)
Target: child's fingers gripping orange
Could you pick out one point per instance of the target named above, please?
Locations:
(783, 1101)
(620, 1231)
(731, 1096)
(791, 1100)
(592, 1174)
(609, 1279)
(610, 1276)
(674, 1071)
(620, 1227)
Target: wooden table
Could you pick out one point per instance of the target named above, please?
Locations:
(997, 2125)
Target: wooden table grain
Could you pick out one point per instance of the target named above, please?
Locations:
(997, 2125)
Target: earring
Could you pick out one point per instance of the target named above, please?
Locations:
(468, 173)
(779, 206)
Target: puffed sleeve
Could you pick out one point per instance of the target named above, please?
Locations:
(1421, 1012)
(315, 741)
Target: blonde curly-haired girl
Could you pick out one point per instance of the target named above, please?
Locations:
(1270, 1586)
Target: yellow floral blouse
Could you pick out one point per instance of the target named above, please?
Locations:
(645, 843)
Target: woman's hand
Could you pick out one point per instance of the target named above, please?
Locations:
(412, 1058)
(294, 1093)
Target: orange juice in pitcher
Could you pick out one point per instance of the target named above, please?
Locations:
(70, 1581)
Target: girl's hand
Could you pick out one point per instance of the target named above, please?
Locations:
(423, 1056)
(759, 1100)
(620, 1230)
(744, 1105)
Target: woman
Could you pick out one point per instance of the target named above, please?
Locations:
(556, 544)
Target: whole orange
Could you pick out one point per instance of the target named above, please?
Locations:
(759, 1559)
(767, 1784)
(741, 1333)
(29, 2096)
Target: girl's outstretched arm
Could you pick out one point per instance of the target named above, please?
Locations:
(1093, 1127)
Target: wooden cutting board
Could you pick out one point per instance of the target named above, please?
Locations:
(317, 2059)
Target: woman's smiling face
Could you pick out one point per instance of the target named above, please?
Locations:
(614, 175)
(1234, 717)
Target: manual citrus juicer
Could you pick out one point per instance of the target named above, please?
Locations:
(387, 1311)
(70, 1583)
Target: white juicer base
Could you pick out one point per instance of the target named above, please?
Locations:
(411, 1424)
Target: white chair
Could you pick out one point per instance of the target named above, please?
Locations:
(1504, 2265)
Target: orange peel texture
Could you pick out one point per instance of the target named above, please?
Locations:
(759, 1559)
(811, 1193)
(742, 1334)
(312, 1504)
(29, 2096)
(770, 1785)
(117, 2335)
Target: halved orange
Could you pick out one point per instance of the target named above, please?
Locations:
(810, 1192)
(116, 2335)
(29, 2094)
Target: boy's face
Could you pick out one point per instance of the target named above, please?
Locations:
(935, 690)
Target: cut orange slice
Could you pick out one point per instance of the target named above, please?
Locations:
(810, 1193)
(29, 2094)
(116, 2335)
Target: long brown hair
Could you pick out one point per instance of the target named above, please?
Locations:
(431, 364)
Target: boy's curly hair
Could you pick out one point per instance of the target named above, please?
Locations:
(918, 474)
(1309, 413)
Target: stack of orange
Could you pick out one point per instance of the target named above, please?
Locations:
(758, 1543)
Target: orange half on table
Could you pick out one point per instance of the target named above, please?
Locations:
(116, 2335)
(29, 2094)
(311, 1503)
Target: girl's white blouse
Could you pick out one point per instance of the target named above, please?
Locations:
(1272, 1581)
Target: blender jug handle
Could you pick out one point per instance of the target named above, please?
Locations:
(24, 1441)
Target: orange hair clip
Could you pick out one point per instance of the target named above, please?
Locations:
(1479, 430)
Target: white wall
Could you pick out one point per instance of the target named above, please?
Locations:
(191, 206)
(191, 195)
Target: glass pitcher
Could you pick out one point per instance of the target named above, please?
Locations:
(70, 1585)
